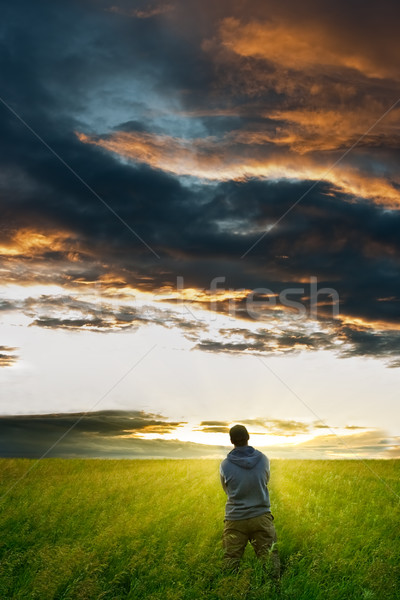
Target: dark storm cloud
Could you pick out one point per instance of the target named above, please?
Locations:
(348, 247)
(298, 86)
(372, 343)
(344, 341)
(94, 324)
(54, 312)
(89, 434)
(58, 77)
(264, 340)
(159, 205)
(61, 59)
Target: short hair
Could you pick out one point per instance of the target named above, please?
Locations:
(239, 435)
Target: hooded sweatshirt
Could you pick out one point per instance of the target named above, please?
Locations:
(244, 476)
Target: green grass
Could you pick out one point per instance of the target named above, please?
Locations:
(113, 529)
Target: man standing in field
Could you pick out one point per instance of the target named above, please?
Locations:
(244, 476)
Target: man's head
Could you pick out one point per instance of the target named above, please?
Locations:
(239, 435)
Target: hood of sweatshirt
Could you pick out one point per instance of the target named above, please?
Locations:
(246, 457)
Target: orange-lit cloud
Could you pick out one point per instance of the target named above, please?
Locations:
(298, 46)
(215, 159)
(318, 128)
(370, 324)
(152, 429)
(176, 155)
(29, 242)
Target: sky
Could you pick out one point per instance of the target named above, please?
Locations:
(200, 218)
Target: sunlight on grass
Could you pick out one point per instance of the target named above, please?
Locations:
(109, 529)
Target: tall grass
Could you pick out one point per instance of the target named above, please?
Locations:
(114, 529)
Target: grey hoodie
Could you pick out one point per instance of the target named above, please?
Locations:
(244, 476)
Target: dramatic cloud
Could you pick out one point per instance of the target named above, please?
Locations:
(345, 341)
(294, 45)
(253, 142)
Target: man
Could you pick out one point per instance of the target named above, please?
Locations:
(244, 476)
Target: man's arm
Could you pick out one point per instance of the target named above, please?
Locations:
(268, 470)
(222, 478)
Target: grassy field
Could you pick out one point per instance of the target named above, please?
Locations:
(113, 529)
